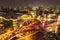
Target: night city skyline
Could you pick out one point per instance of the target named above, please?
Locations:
(29, 19)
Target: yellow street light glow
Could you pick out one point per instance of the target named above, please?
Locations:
(20, 25)
(32, 13)
(38, 18)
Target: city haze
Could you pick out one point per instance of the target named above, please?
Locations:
(16, 3)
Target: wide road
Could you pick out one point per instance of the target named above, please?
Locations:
(35, 36)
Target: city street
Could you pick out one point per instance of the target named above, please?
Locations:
(34, 36)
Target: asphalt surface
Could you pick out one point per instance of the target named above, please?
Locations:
(37, 36)
(40, 36)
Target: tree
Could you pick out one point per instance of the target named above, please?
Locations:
(7, 24)
(51, 36)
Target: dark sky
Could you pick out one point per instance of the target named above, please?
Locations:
(15, 3)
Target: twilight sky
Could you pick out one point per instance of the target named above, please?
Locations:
(15, 3)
